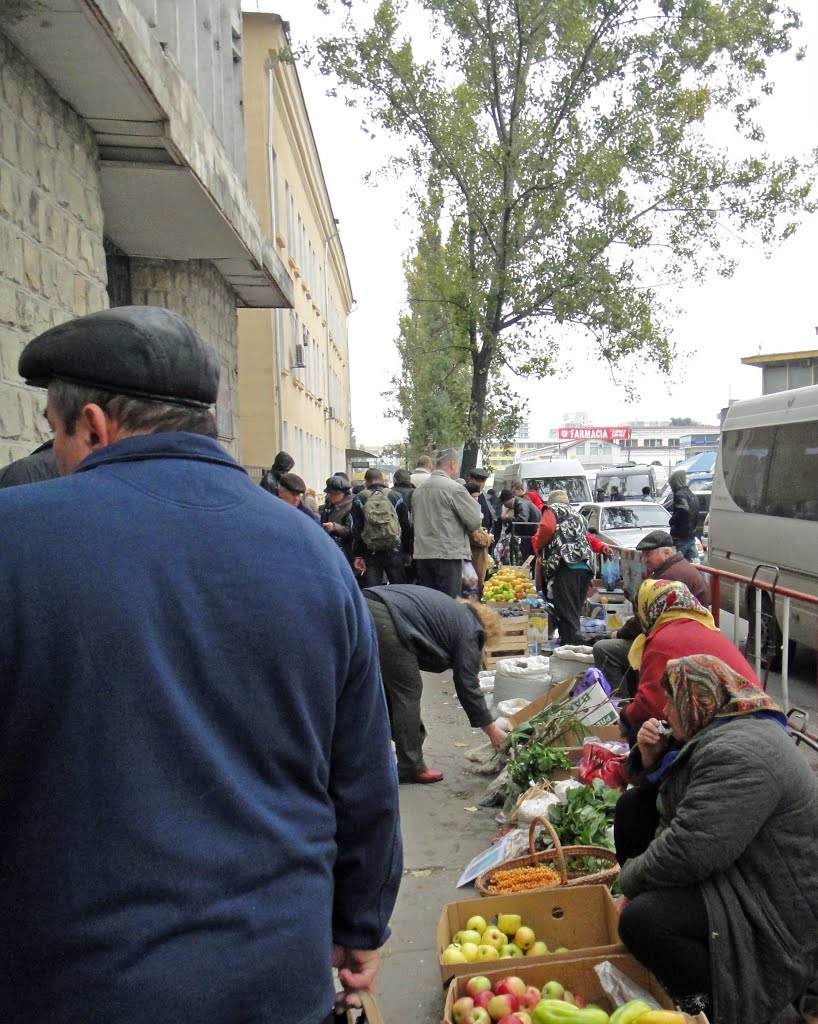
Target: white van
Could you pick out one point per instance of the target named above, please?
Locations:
(546, 475)
(764, 505)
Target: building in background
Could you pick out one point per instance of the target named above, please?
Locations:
(785, 370)
(293, 364)
(122, 180)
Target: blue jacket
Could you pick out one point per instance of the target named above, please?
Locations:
(197, 790)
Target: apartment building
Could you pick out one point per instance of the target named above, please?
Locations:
(293, 364)
(122, 181)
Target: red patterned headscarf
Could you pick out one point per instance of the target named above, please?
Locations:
(704, 688)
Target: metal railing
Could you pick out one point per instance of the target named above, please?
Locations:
(720, 576)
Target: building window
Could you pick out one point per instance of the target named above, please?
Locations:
(673, 442)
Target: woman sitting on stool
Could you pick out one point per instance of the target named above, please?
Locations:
(722, 903)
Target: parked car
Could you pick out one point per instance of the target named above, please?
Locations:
(624, 523)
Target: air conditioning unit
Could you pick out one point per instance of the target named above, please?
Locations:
(300, 360)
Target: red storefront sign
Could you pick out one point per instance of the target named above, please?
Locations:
(594, 433)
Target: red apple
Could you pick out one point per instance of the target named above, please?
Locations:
(530, 998)
(511, 985)
(477, 1016)
(523, 1016)
(461, 1008)
(482, 998)
(499, 1006)
(474, 986)
(510, 1018)
(579, 1002)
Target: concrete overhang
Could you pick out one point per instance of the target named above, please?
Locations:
(778, 357)
(169, 189)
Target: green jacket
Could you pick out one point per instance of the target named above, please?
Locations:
(444, 515)
(740, 805)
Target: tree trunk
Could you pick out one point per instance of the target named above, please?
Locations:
(477, 404)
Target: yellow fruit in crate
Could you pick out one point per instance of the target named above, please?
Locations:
(477, 924)
(453, 955)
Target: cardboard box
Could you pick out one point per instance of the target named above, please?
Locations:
(583, 918)
(603, 731)
(577, 975)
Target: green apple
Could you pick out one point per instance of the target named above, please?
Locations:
(486, 952)
(477, 924)
(562, 949)
(494, 937)
(537, 948)
(453, 955)
(469, 951)
(553, 990)
(510, 949)
(509, 923)
(467, 935)
(568, 997)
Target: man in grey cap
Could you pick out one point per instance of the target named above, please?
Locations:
(444, 516)
(192, 825)
(662, 562)
(291, 489)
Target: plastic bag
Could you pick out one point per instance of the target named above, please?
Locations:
(536, 807)
(610, 573)
(469, 581)
(509, 708)
(599, 762)
(619, 988)
(524, 668)
(593, 675)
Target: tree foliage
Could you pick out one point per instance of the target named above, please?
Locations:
(567, 141)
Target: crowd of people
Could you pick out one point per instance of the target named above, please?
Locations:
(201, 749)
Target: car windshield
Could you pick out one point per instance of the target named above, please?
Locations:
(633, 517)
(629, 486)
(576, 487)
(702, 483)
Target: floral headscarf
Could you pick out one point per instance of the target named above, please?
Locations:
(703, 688)
(660, 602)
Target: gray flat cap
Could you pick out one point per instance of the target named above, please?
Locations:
(479, 474)
(655, 539)
(142, 351)
(293, 483)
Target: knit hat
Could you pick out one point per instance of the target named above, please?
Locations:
(558, 497)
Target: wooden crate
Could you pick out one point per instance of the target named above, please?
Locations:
(513, 642)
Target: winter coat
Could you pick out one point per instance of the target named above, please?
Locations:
(677, 639)
(402, 512)
(740, 806)
(569, 545)
(40, 465)
(444, 515)
(348, 515)
(190, 816)
(442, 634)
(684, 514)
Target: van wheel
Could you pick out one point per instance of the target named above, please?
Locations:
(772, 638)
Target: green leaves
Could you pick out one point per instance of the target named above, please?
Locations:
(536, 763)
(586, 816)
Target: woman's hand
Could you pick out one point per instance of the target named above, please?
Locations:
(651, 742)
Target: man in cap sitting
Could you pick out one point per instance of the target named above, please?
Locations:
(291, 489)
(662, 562)
(444, 514)
(192, 823)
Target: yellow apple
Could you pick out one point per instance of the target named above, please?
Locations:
(477, 924)
(487, 953)
(509, 923)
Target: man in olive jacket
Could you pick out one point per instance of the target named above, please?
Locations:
(444, 514)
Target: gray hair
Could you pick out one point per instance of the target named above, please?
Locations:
(135, 415)
(446, 456)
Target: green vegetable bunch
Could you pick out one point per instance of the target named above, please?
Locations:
(586, 816)
(536, 763)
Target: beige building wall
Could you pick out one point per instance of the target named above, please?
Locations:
(293, 364)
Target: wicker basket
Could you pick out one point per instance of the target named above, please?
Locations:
(554, 858)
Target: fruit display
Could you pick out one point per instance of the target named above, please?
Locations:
(511, 1001)
(508, 584)
(480, 941)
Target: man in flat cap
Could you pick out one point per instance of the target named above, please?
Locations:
(444, 516)
(662, 562)
(291, 489)
(191, 823)
(479, 476)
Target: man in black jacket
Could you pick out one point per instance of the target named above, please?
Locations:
(39, 465)
(479, 476)
(384, 564)
(424, 630)
(684, 516)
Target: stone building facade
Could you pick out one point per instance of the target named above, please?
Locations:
(134, 192)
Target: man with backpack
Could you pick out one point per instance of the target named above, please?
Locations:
(386, 537)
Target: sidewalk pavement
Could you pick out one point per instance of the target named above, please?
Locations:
(440, 837)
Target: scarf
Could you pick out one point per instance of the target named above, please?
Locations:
(704, 689)
(660, 602)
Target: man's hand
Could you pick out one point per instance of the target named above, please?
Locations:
(652, 744)
(358, 564)
(329, 527)
(495, 734)
(608, 552)
(356, 972)
(614, 634)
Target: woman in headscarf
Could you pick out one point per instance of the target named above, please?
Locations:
(722, 904)
(674, 624)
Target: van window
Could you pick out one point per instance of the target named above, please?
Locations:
(576, 487)
(773, 471)
(630, 486)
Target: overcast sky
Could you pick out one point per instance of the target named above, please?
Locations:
(769, 305)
